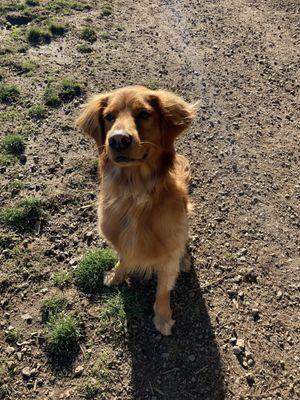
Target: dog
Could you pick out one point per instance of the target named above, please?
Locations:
(143, 201)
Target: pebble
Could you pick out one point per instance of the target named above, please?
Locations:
(27, 318)
(237, 350)
(9, 350)
(255, 312)
(192, 357)
(26, 372)
(78, 371)
(240, 343)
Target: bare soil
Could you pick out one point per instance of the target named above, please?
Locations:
(237, 313)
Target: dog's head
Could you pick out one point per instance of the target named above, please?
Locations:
(134, 123)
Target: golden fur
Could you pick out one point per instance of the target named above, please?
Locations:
(143, 200)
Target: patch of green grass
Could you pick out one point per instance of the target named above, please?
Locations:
(36, 36)
(37, 112)
(90, 389)
(11, 115)
(17, 185)
(51, 96)
(61, 279)
(57, 28)
(16, 33)
(65, 91)
(106, 11)
(69, 90)
(28, 66)
(32, 3)
(83, 48)
(13, 335)
(89, 34)
(89, 274)
(52, 307)
(9, 93)
(11, 6)
(62, 335)
(20, 18)
(104, 35)
(23, 215)
(13, 144)
(6, 159)
(122, 305)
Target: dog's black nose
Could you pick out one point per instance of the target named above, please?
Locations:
(120, 141)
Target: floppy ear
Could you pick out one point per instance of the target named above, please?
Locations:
(90, 120)
(177, 115)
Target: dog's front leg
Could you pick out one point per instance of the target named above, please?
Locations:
(166, 278)
(116, 276)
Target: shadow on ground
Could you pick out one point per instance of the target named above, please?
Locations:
(186, 365)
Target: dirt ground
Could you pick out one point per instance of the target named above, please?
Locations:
(237, 313)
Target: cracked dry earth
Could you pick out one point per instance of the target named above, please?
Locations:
(237, 313)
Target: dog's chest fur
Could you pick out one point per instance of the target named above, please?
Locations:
(141, 221)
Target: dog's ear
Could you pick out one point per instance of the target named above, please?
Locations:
(176, 114)
(91, 121)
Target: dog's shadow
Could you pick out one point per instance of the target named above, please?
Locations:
(186, 365)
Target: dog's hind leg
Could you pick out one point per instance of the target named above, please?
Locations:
(166, 278)
(116, 276)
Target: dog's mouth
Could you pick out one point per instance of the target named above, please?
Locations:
(124, 160)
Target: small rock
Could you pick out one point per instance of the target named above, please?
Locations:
(250, 362)
(9, 350)
(27, 318)
(248, 355)
(279, 295)
(232, 340)
(241, 344)
(237, 350)
(78, 371)
(26, 372)
(255, 312)
(192, 357)
(19, 356)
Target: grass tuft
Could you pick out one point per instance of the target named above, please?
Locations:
(88, 276)
(61, 279)
(23, 215)
(83, 48)
(90, 389)
(66, 91)
(104, 35)
(8, 93)
(56, 28)
(62, 336)
(36, 35)
(13, 144)
(52, 307)
(13, 336)
(37, 112)
(106, 11)
(120, 306)
(88, 33)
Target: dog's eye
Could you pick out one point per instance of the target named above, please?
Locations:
(144, 115)
(110, 118)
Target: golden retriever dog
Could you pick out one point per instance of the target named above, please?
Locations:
(143, 201)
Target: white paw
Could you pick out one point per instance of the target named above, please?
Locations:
(163, 326)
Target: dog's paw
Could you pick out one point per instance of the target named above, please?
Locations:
(110, 279)
(163, 326)
(185, 263)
